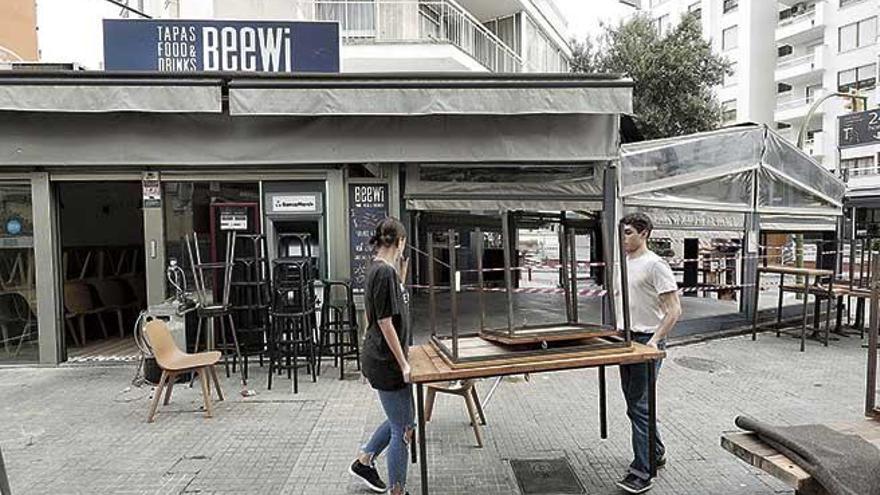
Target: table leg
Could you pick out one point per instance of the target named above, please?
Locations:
(423, 458)
(412, 445)
(603, 413)
(804, 320)
(652, 417)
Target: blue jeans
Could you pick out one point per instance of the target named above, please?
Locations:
(634, 382)
(398, 406)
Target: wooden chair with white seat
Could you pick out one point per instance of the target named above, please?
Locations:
(465, 389)
(174, 362)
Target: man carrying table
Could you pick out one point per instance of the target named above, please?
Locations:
(654, 309)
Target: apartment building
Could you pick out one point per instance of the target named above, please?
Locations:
(377, 35)
(742, 31)
(787, 54)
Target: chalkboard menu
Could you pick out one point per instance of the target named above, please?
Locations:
(367, 206)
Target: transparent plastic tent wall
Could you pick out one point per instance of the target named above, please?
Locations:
(748, 169)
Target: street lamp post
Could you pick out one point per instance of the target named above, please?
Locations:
(803, 130)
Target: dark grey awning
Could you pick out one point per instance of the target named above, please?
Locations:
(408, 99)
(124, 139)
(99, 96)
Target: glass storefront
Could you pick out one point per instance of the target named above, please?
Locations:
(18, 295)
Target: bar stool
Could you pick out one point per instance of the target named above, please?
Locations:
(293, 310)
(214, 306)
(339, 328)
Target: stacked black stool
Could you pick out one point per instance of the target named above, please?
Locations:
(339, 328)
(293, 317)
(250, 297)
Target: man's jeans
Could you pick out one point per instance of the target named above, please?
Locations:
(634, 382)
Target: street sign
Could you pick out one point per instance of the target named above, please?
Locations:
(859, 129)
(228, 46)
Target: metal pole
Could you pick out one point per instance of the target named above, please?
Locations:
(432, 299)
(624, 286)
(871, 391)
(806, 304)
(563, 268)
(453, 294)
(574, 285)
(755, 315)
(480, 279)
(508, 279)
(423, 454)
(603, 413)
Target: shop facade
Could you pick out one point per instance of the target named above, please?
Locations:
(101, 174)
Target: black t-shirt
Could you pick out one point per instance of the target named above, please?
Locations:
(384, 297)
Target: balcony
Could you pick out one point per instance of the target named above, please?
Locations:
(790, 109)
(815, 145)
(799, 70)
(405, 22)
(803, 26)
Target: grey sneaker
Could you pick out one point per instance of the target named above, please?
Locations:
(634, 484)
(368, 475)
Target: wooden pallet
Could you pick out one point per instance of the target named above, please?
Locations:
(751, 449)
(475, 351)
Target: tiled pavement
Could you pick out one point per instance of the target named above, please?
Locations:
(73, 430)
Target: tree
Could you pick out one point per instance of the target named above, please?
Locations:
(674, 74)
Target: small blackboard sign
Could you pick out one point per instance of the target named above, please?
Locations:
(367, 206)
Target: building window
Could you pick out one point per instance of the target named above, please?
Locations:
(812, 91)
(863, 165)
(729, 38)
(730, 77)
(728, 111)
(784, 51)
(782, 88)
(661, 24)
(857, 34)
(859, 79)
(730, 5)
(696, 10)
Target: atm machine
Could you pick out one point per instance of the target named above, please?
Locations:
(292, 213)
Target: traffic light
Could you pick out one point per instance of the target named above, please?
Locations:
(855, 102)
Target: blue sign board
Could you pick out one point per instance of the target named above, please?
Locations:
(227, 46)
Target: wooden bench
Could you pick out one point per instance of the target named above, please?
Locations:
(751, 449)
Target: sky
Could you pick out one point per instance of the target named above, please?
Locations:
(70, 30)
(584, 16)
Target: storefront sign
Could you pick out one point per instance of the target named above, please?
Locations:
(367, 206)
(298, 203)
(233, 218)
(859, 129)
(152, 190)
(247, 46)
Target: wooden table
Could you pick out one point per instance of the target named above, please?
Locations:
(782, 271)
(751, 449)
(429, 367)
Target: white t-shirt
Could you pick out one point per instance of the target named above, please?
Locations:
(649, 276)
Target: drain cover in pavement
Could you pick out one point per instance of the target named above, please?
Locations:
(699, 364)
(545, 476)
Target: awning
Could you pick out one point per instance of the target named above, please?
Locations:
(429, 97)
(788, 223)
(94, 95)
(36, 139)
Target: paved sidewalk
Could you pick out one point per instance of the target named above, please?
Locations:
(73, 430)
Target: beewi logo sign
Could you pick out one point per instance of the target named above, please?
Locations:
(230, 46)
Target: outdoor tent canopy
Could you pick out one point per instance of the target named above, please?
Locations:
(745, 169)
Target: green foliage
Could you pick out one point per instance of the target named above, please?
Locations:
(674, 74)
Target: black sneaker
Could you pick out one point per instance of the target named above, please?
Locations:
(368, 475)
(634, 484)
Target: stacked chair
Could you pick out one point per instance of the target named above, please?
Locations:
(250, 297)
(293, 330)
(213, 281)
